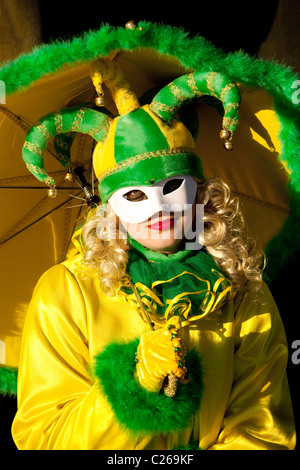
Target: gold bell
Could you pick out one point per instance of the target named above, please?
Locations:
(52, 192)
(100, 100)
(130, 25)
(225, 134)
(228, 145)
(69, 176)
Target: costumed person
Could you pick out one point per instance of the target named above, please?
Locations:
(157, 335)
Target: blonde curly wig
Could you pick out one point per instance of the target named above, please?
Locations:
(105, 248)
(224, 237)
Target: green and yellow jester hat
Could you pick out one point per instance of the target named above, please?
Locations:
(140, 145)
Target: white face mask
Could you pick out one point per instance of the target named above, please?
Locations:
(136, 204)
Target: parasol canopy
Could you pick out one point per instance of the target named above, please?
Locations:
(263, 169)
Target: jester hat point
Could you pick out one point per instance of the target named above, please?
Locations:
(141, 144)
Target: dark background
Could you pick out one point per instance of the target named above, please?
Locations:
(266, 29)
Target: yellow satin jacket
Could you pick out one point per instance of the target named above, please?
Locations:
(246, 402)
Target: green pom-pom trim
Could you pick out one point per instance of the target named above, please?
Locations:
(8, 380)
(137, 409)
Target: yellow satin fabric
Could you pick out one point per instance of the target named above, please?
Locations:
(246, 402)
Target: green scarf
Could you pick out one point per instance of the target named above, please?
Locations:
(186, 283)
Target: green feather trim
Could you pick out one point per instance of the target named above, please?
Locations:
(8, 380)
(137, 409)
(193, 53)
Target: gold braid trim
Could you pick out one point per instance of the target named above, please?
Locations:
(231, 106)
(145, 156)
(44, 131)
(226, 89)
(209, 84)
(36, 170)
(49, 181)
(176, 92)
(58, 123)
(103, 127)
(78, 119)
(192, 84)
(157, 107)
(228, 122)
(33, 148)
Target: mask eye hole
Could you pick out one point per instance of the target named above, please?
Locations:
(135, 195)
(172, 185)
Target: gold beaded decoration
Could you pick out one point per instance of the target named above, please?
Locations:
(180, 353)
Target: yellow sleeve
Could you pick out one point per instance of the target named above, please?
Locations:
(259, 413)
(59, 407)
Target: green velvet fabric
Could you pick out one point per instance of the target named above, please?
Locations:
(79, 118)
(155, 165)
(189, 87)
(137, 133)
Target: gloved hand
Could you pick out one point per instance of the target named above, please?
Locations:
(161, 353)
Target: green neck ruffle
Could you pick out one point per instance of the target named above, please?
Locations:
(187, 283)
